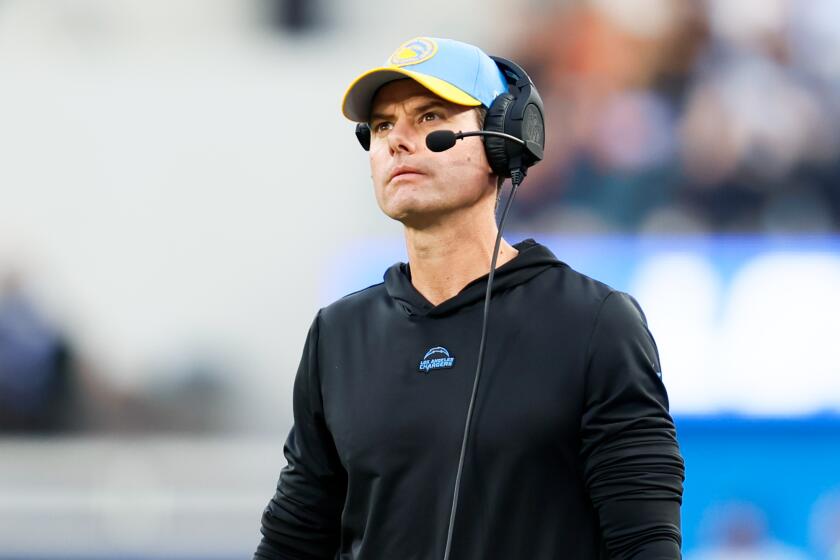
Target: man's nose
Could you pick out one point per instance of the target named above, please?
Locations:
(404, 137)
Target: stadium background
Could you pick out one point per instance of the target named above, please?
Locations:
(179, 194)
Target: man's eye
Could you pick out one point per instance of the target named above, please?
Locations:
(380, 126)
(429, 116)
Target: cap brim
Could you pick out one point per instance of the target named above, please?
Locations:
(358, 97)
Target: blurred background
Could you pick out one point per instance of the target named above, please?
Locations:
(179, 195)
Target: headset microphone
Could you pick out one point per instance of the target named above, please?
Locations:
(442, 140)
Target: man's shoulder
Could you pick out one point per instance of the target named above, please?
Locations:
(355, 304)
(585, 297)
(576, 288)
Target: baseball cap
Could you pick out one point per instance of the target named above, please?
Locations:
(458, 72)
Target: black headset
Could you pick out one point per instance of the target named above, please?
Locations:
(518, 112)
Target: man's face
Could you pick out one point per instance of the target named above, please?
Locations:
(413, 184)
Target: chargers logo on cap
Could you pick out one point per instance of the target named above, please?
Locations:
(414, 51)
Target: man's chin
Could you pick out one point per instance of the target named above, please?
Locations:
(418, 218)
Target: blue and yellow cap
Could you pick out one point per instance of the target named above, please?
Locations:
(456, 71)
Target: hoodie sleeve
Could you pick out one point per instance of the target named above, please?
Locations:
(631, 459)
(303, 519)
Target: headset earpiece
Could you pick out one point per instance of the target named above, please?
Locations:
(495, 147)
(518, 113)
(363, 135)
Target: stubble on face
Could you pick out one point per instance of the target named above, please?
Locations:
(412, 184)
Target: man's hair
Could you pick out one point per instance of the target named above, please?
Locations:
(480, 115)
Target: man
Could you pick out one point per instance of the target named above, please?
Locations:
(572, 452)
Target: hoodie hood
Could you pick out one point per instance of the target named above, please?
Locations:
(533, 258)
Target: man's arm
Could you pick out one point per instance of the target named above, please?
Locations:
(303, 519)
(632, 464)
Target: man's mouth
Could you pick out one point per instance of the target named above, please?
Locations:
(404, 171)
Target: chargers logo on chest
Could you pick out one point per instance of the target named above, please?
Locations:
(436, 358)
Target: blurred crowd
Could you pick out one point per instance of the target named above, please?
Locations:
(37, 387)
(671, 116)
(48, 387)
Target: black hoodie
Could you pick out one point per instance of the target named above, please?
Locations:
(572, 452)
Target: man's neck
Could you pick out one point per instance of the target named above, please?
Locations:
(449, 255)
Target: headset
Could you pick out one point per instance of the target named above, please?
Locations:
(514, 139)
(518, 113)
